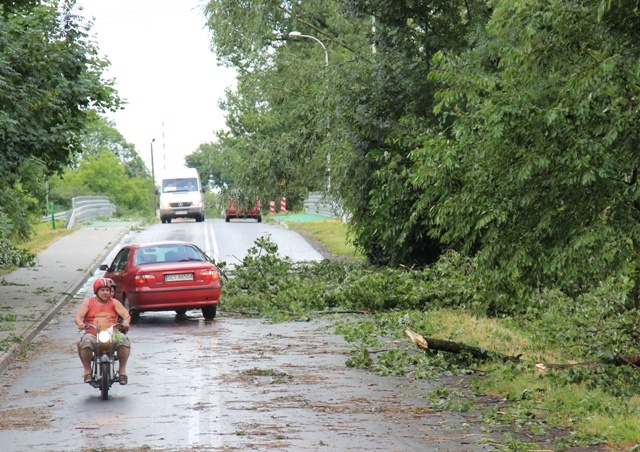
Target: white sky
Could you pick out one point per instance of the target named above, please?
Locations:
(164, 69)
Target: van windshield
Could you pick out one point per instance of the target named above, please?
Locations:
(179, 184)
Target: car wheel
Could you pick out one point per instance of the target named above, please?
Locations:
(209, 312)
(259, 219)
(134, 314)
(181, 312)
(227, 219)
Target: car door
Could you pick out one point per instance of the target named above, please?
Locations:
(117, 271)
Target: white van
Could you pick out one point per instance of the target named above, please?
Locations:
(181, 196)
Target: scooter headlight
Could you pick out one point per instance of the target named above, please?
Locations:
(104, 336)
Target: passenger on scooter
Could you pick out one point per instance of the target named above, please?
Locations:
(102, 310)
(112, 286)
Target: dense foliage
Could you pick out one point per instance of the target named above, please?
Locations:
(51, 84)
(10, 256)
(503, 130)
(300, 124)
(542, 159)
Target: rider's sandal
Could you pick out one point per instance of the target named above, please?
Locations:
(123, 380)
(87, 378)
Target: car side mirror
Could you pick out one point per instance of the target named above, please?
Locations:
(104, 267)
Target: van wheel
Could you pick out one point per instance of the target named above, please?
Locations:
(259, 219)
(227, 219)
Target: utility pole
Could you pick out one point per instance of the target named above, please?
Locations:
(153, 177)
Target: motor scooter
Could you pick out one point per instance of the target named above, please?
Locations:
(104, 357)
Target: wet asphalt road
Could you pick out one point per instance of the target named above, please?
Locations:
(231, 384)
(229, 242)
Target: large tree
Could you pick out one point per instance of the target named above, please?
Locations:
(50, 82)
(385, 103)
(348, 117)
(213, 163)
(279, 119)
(539, 173)
(100, 134)
(105, 175)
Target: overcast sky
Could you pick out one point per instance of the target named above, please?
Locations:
(160, 58)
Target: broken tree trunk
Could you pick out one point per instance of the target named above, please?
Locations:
(432, 344)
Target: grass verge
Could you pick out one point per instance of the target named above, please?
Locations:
(44, 236)
(330, 234)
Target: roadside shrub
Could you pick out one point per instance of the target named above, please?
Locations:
(591, 326)
(10, 256)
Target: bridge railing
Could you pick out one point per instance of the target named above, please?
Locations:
(318, 203)
(84, 208)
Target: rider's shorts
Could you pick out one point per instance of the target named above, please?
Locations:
(90, 341)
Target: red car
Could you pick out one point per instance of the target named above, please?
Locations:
(237, 210)
(165, 276)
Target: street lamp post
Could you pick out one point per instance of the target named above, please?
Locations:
(297, 34)
(153, 178)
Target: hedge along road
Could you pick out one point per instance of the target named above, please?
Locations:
(230, 384)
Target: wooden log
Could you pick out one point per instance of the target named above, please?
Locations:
(632, 360)
(433, 344)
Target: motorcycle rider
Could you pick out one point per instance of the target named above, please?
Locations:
(102, 310)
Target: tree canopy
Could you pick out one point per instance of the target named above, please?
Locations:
(505, 130)
(299, 124)
(51, 83)
(51, 80)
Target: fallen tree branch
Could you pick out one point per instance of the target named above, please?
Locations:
(435, 345)
(343, 312)
(631, 360)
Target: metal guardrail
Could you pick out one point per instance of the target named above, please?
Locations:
(84, 208)
(318, 204)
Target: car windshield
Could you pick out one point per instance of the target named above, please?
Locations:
(179, 184)
(168, 253)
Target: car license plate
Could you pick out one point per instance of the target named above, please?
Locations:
(181, 212)
(179, 277)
